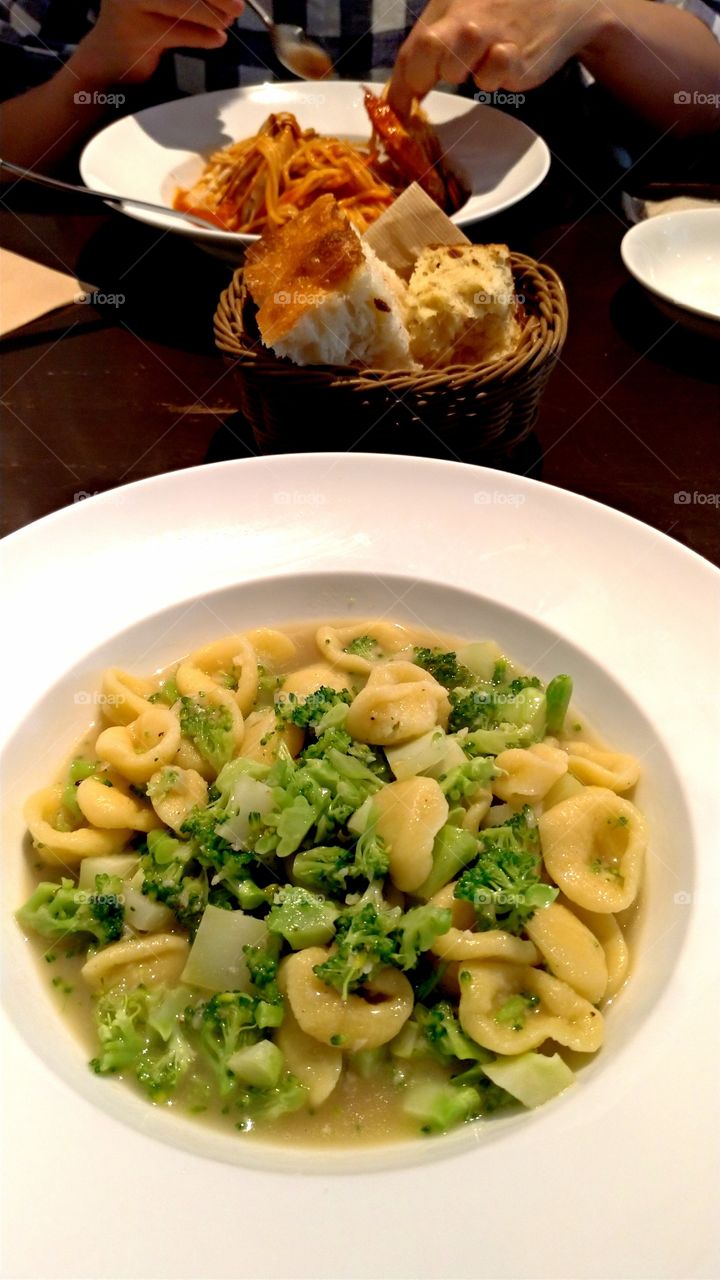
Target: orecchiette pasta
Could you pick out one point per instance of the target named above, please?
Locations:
(400, 701)
(305, 681)
(67, 847)
(234, 657)
(263, 737)
(124, 696)
(597, 768)
(390, 638)
(316, 1065)
(410, 814)
(527, 774)
(615, 949)
(543, 1008)
(571, 952)
(109, 807)
(593, 846)
(461, 942)
(360, 1022)
(258, 886)
(155, 959)
(139, 749)
(175, 793)
(194, 683)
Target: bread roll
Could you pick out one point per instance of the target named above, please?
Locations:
(324, 297)
(460, 306)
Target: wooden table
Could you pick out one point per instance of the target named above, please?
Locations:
(100, 395)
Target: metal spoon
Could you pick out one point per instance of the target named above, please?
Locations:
(117, 202)
(303, 57)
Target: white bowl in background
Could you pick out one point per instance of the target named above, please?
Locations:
(676, 257)
(151, 154)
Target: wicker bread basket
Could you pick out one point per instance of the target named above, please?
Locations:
(479, 412)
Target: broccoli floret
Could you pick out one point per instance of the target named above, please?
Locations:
(58, 910)
(504, 885)
(172, 875)
(231, 874)
(440, 1107)
(144, 1031)
(472, 709)
(417, 930)
(365, 941)
(209, 726)
(363, 647)
(302, 918)
(444, 1034)
(515, 1010)
(369, 935)
(462, 782)
(307, 713)
(79, 770)
(444, 667)
(168, 693)
(225, 1023)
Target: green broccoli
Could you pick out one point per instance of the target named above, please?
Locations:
(225, 1023)
(444, 667)
(460, 784)
(307, 713)
(172, 875)
(232, 874)
(209, 726)
(363, 647)
(144, 1031)
(168, 693)
(370, 934)
(417, 930)
(444, 1035)
(504, 884)
(499, 716)
(79, 770)
(440, 1107)
(302, 918)
(558, 695)
(58, 910)
(515, 1010)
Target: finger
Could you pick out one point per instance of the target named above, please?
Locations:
(417, 68)
(196, 13)
(499, 68)
(464, 46)
(190, 35)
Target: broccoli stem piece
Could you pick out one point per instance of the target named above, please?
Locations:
(558, 695)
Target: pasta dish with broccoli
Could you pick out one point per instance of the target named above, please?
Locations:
(337, 882)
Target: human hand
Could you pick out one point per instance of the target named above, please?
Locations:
(130, 36)
(508, 44)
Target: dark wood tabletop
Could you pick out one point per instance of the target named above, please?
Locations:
(130, 385)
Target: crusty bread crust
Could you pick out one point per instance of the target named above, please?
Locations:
(292, 269)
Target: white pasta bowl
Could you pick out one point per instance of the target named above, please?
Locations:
(151, 154)
(169, 563)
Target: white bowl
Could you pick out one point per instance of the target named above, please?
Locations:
(138, 576)
(150, 154)
(676, 257)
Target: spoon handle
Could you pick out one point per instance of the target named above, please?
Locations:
(117, 202)
(262, 14)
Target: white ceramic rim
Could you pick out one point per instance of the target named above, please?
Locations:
(583, 569)
(436, 100)
(636, 235)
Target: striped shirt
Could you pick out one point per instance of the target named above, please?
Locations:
(361, 36)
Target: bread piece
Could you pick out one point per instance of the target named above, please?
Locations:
(461, 305)
(324, 297)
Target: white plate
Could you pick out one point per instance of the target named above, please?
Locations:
(151, 154)
(614, 1179)
(676, 256)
